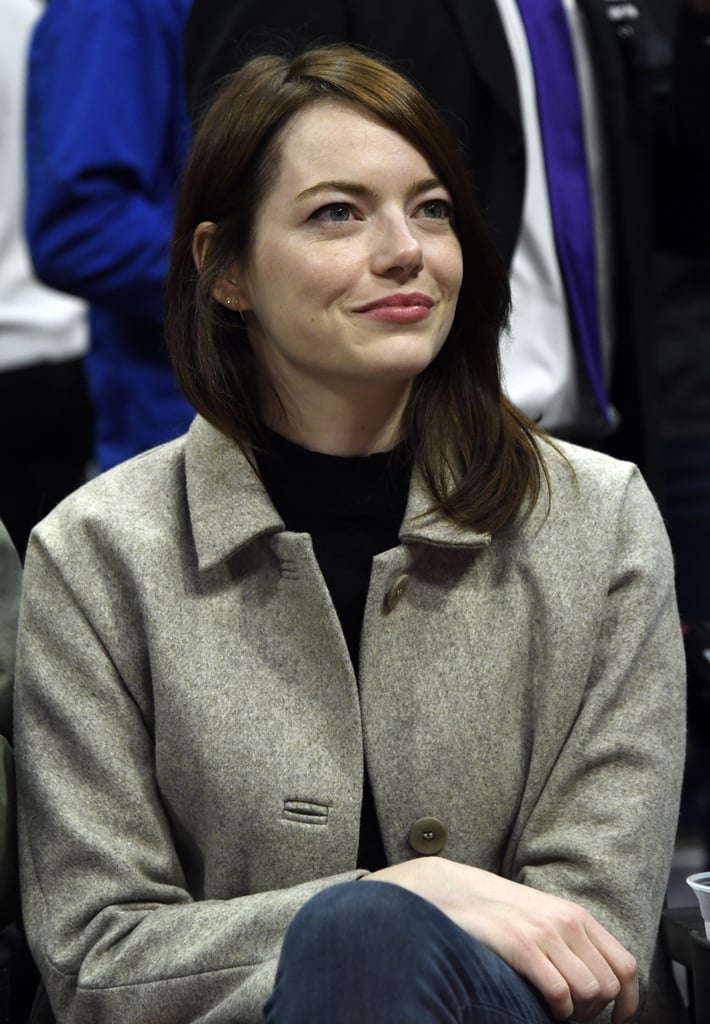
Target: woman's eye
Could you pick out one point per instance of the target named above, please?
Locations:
(436, 209)
(333, 213)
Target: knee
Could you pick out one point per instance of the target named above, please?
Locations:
(351, 914)
(386, 953)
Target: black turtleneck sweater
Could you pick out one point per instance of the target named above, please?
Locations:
(352, 508)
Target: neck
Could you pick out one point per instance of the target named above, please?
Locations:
(358, 423)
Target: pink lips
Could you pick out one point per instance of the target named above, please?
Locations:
(404, 308)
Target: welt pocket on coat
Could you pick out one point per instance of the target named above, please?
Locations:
(305, 811)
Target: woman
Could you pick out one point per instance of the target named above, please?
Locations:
(363, 612)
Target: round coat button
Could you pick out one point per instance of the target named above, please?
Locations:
(395, 591)
(428, 836)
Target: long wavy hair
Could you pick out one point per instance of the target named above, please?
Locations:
(478, 454)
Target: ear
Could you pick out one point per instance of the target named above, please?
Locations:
(226, 290)
(201, 238)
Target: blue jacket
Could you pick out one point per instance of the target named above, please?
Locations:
(107, 134)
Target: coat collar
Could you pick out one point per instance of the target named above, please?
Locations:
(227, 502)
(614, 29)
(484, 36)
(421, 525)
(229, 507)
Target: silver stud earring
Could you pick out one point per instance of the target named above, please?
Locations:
(228, 302)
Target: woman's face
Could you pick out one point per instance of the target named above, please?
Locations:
(355, 269)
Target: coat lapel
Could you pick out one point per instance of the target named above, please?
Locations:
(484, 37)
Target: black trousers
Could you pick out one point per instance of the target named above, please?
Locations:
(46, 428)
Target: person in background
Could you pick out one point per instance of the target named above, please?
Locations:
(45, 410)
(579, 356)
(366, 676)
(10, 583)
(18, 978)
(681, 307)
(107, 134)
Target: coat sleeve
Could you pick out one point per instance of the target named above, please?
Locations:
(108, 914)
(106, 134)
(601, 828)
(10, 581)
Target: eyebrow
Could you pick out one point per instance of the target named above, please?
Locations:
(357, 189)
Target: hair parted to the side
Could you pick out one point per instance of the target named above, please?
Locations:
(478, 454)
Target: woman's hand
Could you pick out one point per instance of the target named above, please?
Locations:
(577, 966)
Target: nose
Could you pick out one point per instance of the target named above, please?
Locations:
(398, 251)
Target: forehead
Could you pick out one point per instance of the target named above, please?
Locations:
(333, 139)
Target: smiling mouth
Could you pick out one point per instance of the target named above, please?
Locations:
(400, 309)
(411, 300)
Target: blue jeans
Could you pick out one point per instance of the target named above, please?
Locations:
(374, 953)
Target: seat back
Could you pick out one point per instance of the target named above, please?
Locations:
(683, 938)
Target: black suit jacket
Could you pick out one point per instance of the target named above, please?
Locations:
(457, 52)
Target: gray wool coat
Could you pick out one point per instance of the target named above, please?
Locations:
(191, 739)
(10, 584)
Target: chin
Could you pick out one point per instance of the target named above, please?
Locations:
(405, 359)
(404, 369)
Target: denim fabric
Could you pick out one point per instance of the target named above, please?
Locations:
(374, 952)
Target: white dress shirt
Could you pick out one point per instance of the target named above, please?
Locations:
(36, 323)
(539, 358)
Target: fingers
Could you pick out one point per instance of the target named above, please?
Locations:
(576, 965)
(624, 967)
(579, 967)
(573, 985)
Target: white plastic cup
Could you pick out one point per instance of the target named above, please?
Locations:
(700, 884)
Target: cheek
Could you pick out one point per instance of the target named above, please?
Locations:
(446, 265)
(322, 280)
(310, 277)
(455, 269)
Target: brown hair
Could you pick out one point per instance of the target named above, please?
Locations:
(478, 454)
